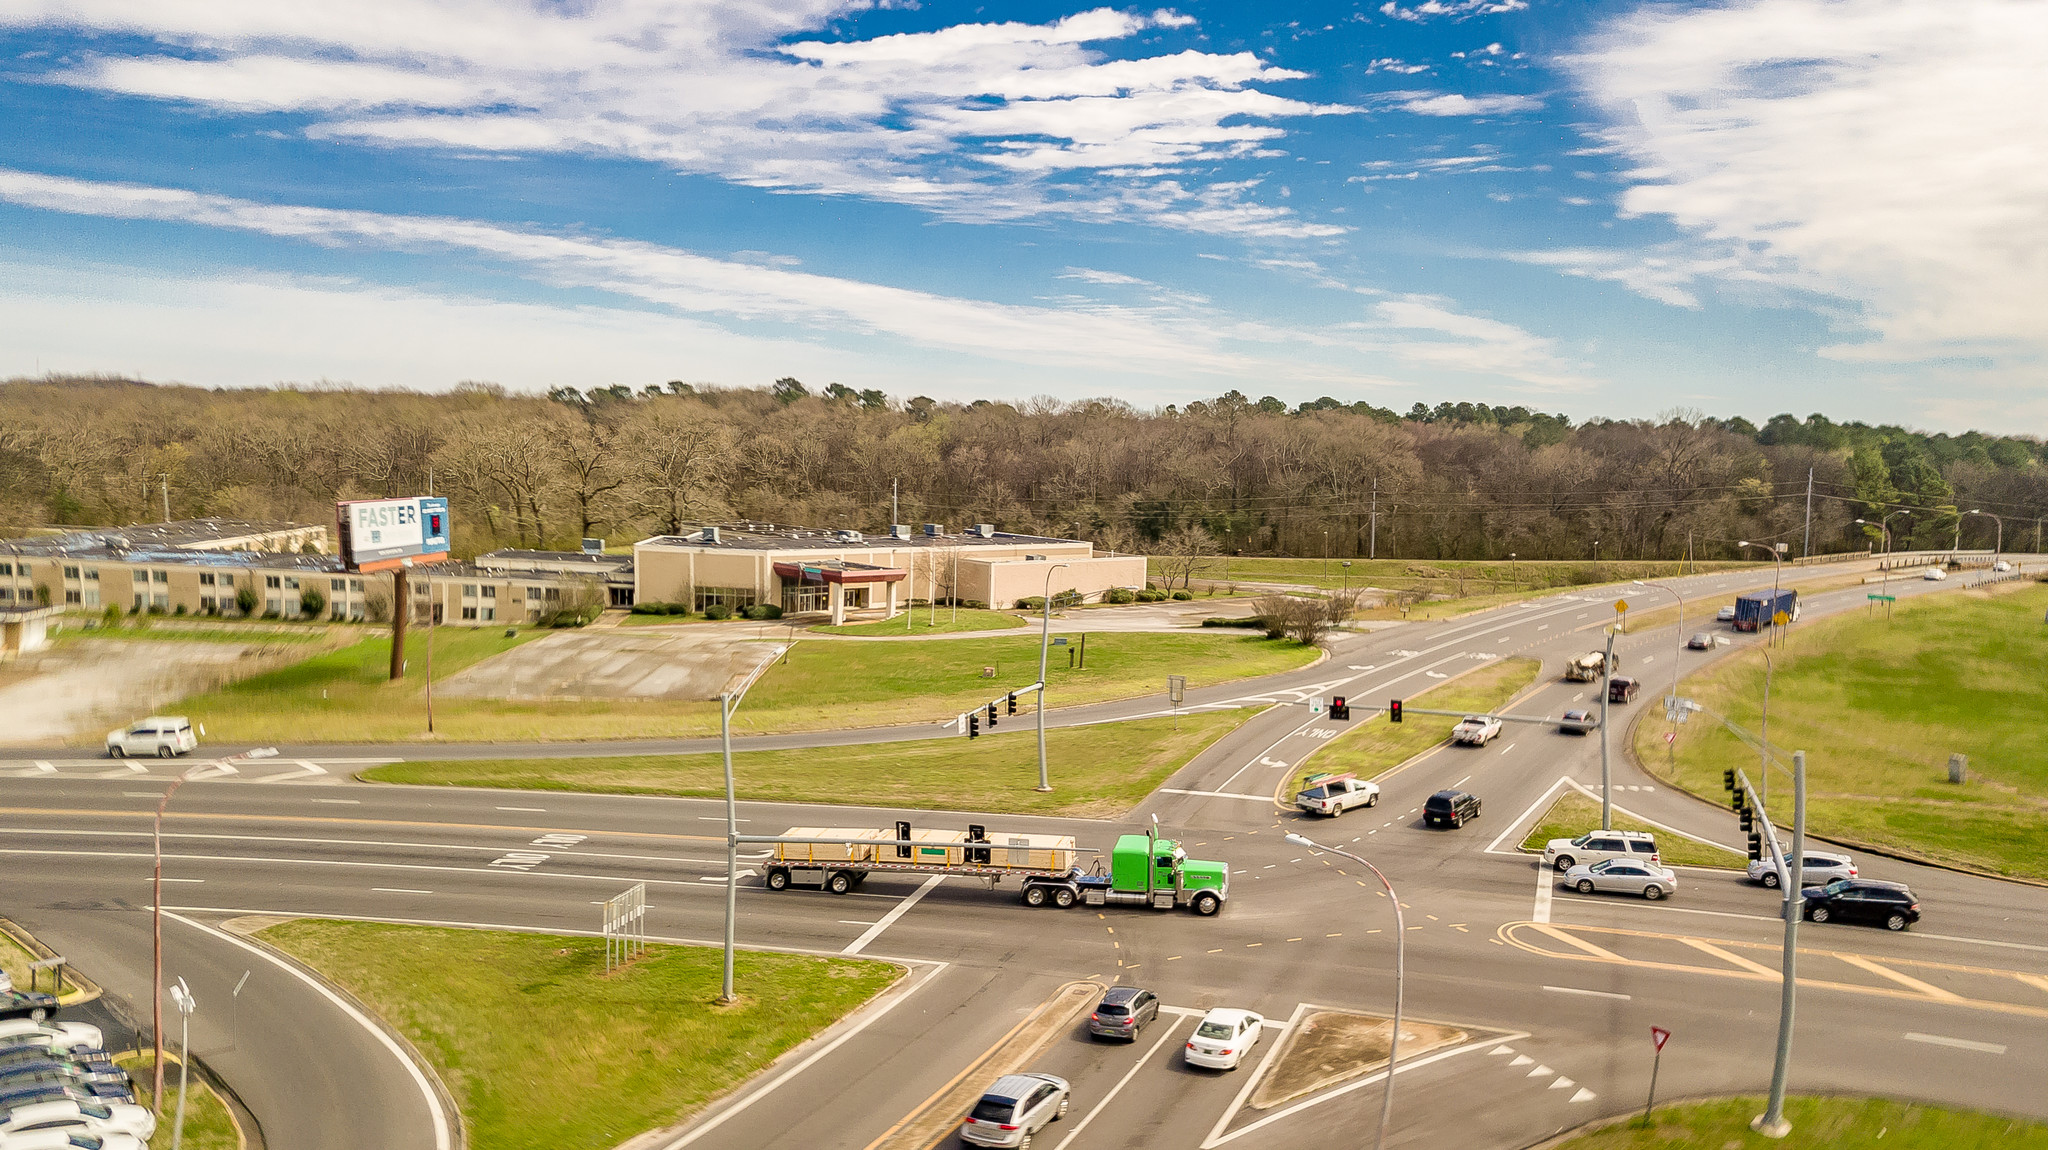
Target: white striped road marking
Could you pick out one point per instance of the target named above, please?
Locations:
(857, 922)
(43, 766)
(307, 769)
(700, 818)
(1522, 1060)
(1591, 993)
(346, 802)
(1562, 1083)
(1956, 1043)
(398, 890)
(1118, 1088)
(184, 880)
(895, 912)
(1546, 886)
(1584, 1095)
(530, 810)
(1216, 794)
(1539, 1072)
(1503, 750)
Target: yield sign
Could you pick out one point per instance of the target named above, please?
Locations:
(1658, 1035)
(1670, 735)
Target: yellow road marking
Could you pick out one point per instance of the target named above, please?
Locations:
(1731, 959)
(1580, 943)
(2033, 980)
(1881, 971)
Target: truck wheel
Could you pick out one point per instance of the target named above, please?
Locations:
(1063, 898)
(164, 752)
(1564, 863)
(778, 879)
(1206, 904)
(1034, 896)
(1337, 812)
(839, 883)
(1373, 801)
(1771, 879)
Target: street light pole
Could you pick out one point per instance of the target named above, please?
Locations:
(1606, 769)
(1771, 1123)
(1400, 975)
(182, 995)
(1678, 641)
(1764, 733)
(727, 704)
(1044, 644)
(2000, 545)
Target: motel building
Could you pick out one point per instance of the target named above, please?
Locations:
(808, 570)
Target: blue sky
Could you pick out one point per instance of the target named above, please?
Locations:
(1599, 208)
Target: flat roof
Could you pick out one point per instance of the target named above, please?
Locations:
(750, 536)
(98, 549)
(179, 533)
(599, 560)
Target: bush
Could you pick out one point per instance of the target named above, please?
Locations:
(312, 603)
(1183, 594)
(180, 610)
(246, 600)
(377, 607)
(1251, 621)
(650, 608)
(111, 615)
(1120, 595)
(675, 609)
(764, 611)
(1032, 603)
(1151, 595)
(718, 611)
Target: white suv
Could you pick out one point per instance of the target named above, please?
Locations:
(1598, 846)
(157, 735)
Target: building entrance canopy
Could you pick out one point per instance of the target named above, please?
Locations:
(838, 571)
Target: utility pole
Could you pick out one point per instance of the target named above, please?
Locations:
(1771, 1123)
(166, 481)
(1806, 548)
(893, 520)
(1606, 770)
(1372, 548)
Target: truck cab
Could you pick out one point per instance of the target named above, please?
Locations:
(1586, 667)
(1147, 870)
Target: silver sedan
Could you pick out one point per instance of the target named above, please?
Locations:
(1623, 876)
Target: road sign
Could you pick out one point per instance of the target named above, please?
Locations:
(1659, 1036)
(1669, 736)
(1883, 598)
(1620, 605)
(1781, 618)
(1176, 688)
(1059, 642)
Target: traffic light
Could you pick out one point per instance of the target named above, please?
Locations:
(1394, 711)
(973, 725)
(902, 834)
(1748, 819)
(1756, 847)
(1728, 779)
(1736, 801)
(977, 855)
(1013, 702)
(991, 715)
(1339, 708)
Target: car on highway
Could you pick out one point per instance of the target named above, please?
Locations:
(2001, 566)
(1014, 1108)
(1600, 846)
(160, 735)
(1623, 876)
(1332, 795)
(1222, 1039)
(1725, 614)
(89, 1117)
(1578, 723)
(61, 1037)
(1701, 641)
(1123, 1012)
(1890, 904)
(1450, 809)
(1622, 689)
(1934, 575)
(33, 1005)
(1476, 730)
(1817, 868)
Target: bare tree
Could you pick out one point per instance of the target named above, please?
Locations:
(1183, 554)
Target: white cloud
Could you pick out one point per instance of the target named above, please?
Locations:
(1458, 104)
(1453, 9)
(973, 121)
(1475, 344)
(1885, 152)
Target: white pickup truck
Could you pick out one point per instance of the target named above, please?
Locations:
(1332, 795)
(1476, 730)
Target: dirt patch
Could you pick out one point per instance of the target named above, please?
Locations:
(686, 663)
(83, 688)
(1333, 1045)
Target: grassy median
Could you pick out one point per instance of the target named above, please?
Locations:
(1879, 706)
(1817, 1123)
(1375, 745)
(1573, 814)
(346, 696)
(922, 623)
(1098, 771)
(208, 1125)
(543, 1050)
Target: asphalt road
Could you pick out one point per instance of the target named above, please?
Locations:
(1556, 990)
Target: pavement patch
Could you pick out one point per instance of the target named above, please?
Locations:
(1331, 1046)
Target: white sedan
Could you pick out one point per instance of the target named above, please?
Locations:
(71, 1138)
(1624, 876)
(60, 1037)
(1223, 1037)
(1935, 575)
(84, 1117)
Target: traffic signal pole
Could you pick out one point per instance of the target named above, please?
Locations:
(1771, 1123)
(1606, 766)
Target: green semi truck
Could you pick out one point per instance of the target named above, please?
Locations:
(1146, 870)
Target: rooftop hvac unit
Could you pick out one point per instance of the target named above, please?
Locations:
(851, 536)
(985, 530)
(899, 531)
(593, 546)
(708, 535)
(934, 529)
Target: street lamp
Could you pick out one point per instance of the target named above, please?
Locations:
(1884, 526)
(156, 913)
(1677, 643)
(1400, 973)
(1596, 551)
(1347, 576)
(2000, 545)
(727, 704)
(182, 995)
(1044, 644)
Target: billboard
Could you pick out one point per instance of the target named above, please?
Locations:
(379, 534)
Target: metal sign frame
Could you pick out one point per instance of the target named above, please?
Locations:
(624, 926)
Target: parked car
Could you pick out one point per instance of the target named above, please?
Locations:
(1622, 689)
(1223, 1037)
(1476, 730)
(1701, 641)
(1016, 1107)
(1450, 809)
(91, 1117)
(1578, 723)
(72, 1139)
(1934, 575)
(1818, 868)
(1862, 900)
(1725, 614)
(60, 1072)
(2001, 566)
(33, 1005)
(1332, 795)
(1599, 846)
(61, 1037)
(27, 1090)
(1624, 876)
(158, 735)
(1123, 1012)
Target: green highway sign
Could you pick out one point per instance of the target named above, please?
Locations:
(1883, 598)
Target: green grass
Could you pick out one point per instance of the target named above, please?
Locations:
(208, 1125)
(15, 961)
(1098, 771)
(543, 1050)
(1369, 748)
(207, 631)
(1573, 814)
(343, 696)
(1817, 1123)
(921, 623)
(1879, 707)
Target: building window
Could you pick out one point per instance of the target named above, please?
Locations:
(208, 604)
(469, 590)
(337, 584)
(8, 568)
(291, 583)
(469, 613)
(490, 614)
(490, 592)
(554, 593)
(227, 580)
(7, 594)
(532, 594)
(92, 596)
(733, 597)
(142, 576)
(92, 574)
(71, 572)
(206, 578)
(273, 607)
(355, 584)
(338, 611)
(801, 597)
(272, 582)
(161, 601)
(160, 576)
(73, 597)
(355, 612)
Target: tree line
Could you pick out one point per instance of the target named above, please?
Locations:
(1232, 474)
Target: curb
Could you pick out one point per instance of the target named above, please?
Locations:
(86, 989)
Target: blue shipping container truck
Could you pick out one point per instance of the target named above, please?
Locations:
(1759, 607)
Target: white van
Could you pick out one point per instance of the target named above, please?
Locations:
(159, 735)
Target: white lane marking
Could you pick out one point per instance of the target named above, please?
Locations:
(1501, 639)
(184, 880)
(1584, 1095)
(857, 922)
(700, 818)
(1522, 1060)
(1956, 1043)
(1115, 1090)
(1216, 794)
(307, 769)
(895, 912)
(344, 802)
(1436, 674)
(43, 766)
(1503, 750)
(1591, 993)
(1546, 887)
(526, 810)
(442, 1138)
(1462, 782)
(1539, 1072)
(1542, 800)
(1649, 658)
(1562, 1083)
(399, 890)
(1546, 626)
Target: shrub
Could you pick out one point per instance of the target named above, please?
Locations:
(246, 600)
(312, 603)
(1151, 595)
(377, 607)
(1183, 594)
(675, 609)
(718, 611)
(764, 611)
(1120, 595)
(650, 608)
(180, 610)
(111, 615)
(1031, 603)
(1251, 621)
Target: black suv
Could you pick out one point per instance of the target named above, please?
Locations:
(1622, 689)
(1450, 809)
(1124, 1010)
(1862, 900)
